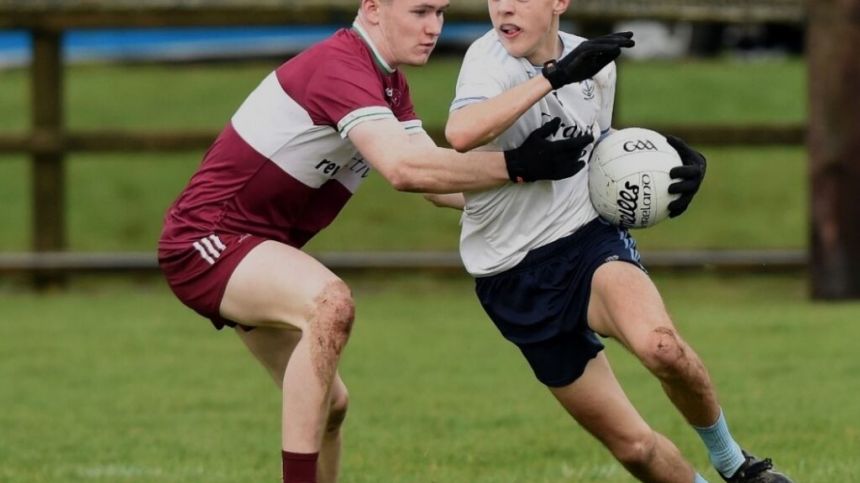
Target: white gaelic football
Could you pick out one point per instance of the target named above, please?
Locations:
(628, 177)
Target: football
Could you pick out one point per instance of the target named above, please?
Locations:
(628, 177)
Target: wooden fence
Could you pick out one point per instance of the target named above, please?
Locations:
(64, 14)
(48, 141)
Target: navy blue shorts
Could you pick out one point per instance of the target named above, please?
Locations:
(541, 304)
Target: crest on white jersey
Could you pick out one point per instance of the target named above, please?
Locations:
(588, 89)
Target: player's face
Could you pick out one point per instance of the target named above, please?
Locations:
(411, 28)
(528, 28)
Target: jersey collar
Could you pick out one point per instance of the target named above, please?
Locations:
(376, 55)
(566, 45)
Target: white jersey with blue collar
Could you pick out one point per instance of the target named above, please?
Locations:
(501, 225)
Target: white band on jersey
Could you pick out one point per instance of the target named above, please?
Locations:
(458, 103)
(413, 126)
(358, 116)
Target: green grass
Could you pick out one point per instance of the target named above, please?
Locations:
(92, 388)
(117, 203)
(96, 389)
(726, 91)
(753, 198)
(665, 92)
(139, 96)
(204, 96)
(14, 101)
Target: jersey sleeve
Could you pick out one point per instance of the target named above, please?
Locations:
(346, 93)
(605, 81)
(482, 76)
(404, 109)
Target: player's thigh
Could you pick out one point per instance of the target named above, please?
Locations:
(625, 304)
(599, 404)
(279, 286)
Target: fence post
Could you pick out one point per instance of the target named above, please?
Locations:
(47, 162)
(834, 148)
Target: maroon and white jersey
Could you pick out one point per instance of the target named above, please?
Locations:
(283, 167)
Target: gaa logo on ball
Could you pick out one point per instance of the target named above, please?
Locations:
(639, 145)
(628, 177)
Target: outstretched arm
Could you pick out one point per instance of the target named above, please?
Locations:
(423, 167)
(451, 200)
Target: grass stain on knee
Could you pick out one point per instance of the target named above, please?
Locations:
(330, 326)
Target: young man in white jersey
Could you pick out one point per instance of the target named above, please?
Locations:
(550, 273)
(281, 170)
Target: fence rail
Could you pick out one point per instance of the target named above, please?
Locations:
(444, 262)
(48, 142)
(59, 14)
(157, 141)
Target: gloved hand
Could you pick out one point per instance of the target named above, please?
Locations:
(690, 174)
(538, 158)
(587, 59)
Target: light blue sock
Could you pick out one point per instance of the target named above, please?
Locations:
(724, 452)
(699, 479)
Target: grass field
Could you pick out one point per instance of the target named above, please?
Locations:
(204, 96)
(751, 199)
(120, 383)
(116, 202)
(115, 381)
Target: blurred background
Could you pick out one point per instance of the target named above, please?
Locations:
(106, 108)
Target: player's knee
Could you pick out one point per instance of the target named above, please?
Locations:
(637, 452)
(337, 412)
(334, 312)
(665, 353)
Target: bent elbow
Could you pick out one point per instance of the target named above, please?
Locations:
(458, 140)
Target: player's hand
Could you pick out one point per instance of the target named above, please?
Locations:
(690, 174)
(587, 59)
(539, 158)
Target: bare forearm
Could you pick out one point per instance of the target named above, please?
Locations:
(440, 170)
(414, 162)
(478, 124)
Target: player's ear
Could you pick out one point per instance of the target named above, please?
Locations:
(369, 9)
(560, 6)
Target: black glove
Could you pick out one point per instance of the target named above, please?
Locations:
(691, 175)
(538, 158)
(587, 59)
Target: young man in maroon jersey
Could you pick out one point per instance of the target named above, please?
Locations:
(281, 170)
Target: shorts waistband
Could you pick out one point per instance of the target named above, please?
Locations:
(550, 250)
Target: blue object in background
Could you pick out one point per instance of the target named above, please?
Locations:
(193, 43)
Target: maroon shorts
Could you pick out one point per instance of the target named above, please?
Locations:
(198, 274)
